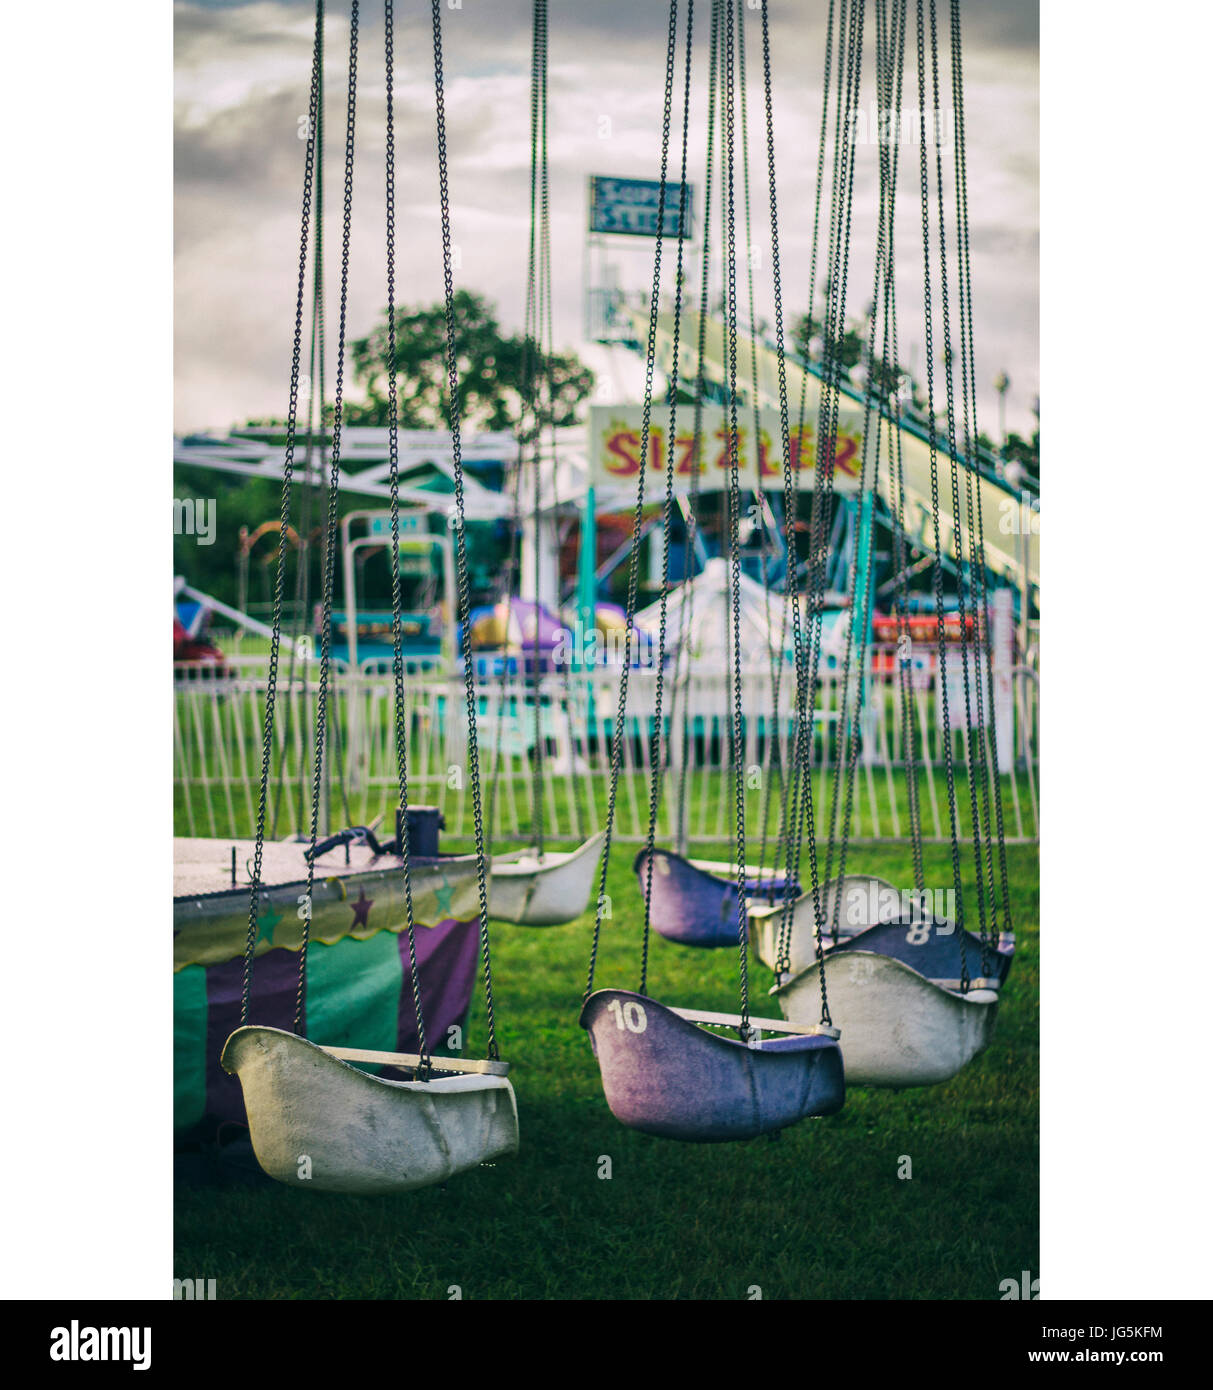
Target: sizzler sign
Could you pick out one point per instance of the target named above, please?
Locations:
(616, 435)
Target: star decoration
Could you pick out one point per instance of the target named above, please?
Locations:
(362, 910)
(267, 919)
(443, 896)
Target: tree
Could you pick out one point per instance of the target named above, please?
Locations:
(1024, 451)
(493, 371)
(806, 328)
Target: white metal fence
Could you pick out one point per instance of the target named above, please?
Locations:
(218, 722)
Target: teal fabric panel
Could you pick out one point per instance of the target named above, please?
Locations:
(353, 992)
(189, 1046)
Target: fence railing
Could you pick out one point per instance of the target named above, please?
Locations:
(219, 718)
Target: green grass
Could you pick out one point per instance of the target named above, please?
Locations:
(820, 1213)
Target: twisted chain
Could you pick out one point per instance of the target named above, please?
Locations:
(859, 604)
(941, 646)
(656, 741)
(734, 495)
(461, 561)
(893, 65)
(687, 610)
(330, 523)
(534, 334)
(619, 732)
(823, 485)
(962, 195)
(394, 482)
(267, 734)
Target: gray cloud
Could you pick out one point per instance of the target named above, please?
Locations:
(241, 86)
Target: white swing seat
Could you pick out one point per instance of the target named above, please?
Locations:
(727, 868)
(317, 1122)
(867, 901)
(531, 892)
(757, 1026)
(899, 1028)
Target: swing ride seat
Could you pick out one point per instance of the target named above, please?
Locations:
(937, 957)
(694, 902)
(665, 1075)
(902, 1027)
(547, 892)
(318, 1122)
(866, 901)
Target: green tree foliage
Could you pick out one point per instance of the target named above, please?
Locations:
(806, 328)
(1025, 451)
(885, 380)
(494, 369)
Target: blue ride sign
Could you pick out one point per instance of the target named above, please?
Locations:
(628, 207)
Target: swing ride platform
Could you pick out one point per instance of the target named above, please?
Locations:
(358, 979)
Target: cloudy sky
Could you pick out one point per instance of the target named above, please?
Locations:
(242, 73)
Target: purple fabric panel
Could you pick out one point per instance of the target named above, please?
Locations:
(447, 958)
(272, 1002)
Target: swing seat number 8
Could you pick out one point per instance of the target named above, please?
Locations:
(629, 1017)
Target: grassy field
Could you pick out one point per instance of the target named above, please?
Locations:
(819, 1213)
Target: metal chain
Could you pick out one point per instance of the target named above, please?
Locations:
(894, 66)
(981, 645)
(529, 435)
(330, 526)
(267, 735)
(821, 500)
(790, 478)
(775, 659)
(394, 483)
(734, 496)
(302, 561)
(687, 611)
(541, 20)
(824, 485)
(619, 732)
(941, 646)
(513, 562)
(726, 81)
(547, 348)
(964, 583)
(962, 189)
(789, 811)
(461, 564)
(580, 810)
(821, 158)
(656, 741)
(844, 784)
(839, 240)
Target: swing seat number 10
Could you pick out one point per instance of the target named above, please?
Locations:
(629, 1017)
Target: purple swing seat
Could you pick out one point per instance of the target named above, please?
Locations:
(692, 906)
(666, 1076)
(936, 958)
